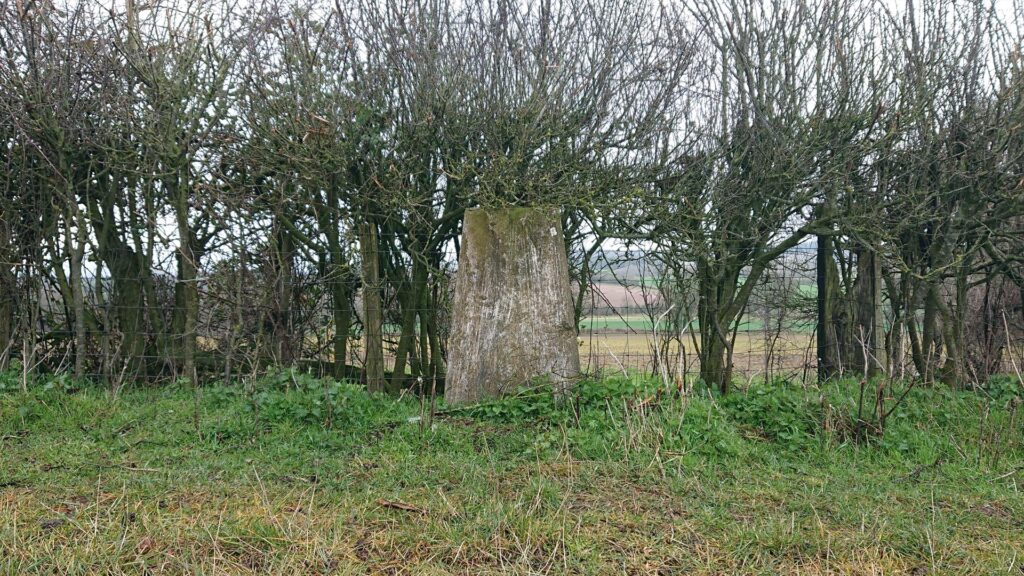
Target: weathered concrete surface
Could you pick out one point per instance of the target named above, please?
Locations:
(512, 316)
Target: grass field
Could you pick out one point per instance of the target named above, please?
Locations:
(642, 323)
(297, 476)
(612, 351)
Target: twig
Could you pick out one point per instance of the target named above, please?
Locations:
(137, 469)
(1010, 473)
(1009, 348)
(396, 505)
(616, 358)
(916, 473)
(657, 354)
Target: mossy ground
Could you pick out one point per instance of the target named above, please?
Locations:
(760, 483)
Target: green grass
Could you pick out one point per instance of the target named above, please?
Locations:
(766, 481)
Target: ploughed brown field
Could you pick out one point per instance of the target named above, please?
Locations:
(623, 298)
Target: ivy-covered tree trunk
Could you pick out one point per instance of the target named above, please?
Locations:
(512, 315)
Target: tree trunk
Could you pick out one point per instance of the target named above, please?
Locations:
(718, 307)
(129, 354)
(870, 316)
(76, 250)
(895, 351)
(714, 364)
(930, 334)
(342, 286)
(284, 335)
(342, 308)
(412, 299)
(373, 340)
(828, 347)
(426, 362)
(513, 318)
(435, 303)
(188, 292)
(956, 370)
(8, 292)
(124, 337)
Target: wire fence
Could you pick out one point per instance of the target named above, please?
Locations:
(635, 324)
(633, 319)
(637, 320)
